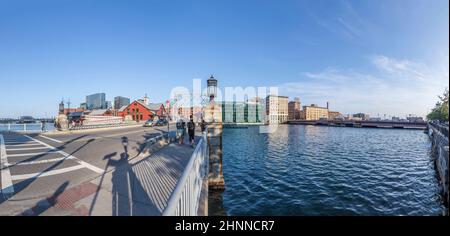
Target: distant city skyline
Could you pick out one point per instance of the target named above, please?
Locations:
(376, 57)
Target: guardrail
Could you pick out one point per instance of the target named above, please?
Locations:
(443, 129)
(94, 126)
(185, 199)
(26, 127)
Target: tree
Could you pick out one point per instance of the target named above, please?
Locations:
(440, 111)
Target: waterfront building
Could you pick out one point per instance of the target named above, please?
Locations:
(414, 119)
(120, 101)
(276, 109)
(138, 111)
(100, 112)
(67, 111)
(158, 109)
(361, 116)
(294, 109)
(186, 112)
(335, 115)
(243, 112)
(96, 101)
(314, 112)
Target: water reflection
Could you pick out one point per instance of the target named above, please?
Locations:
(314, 170)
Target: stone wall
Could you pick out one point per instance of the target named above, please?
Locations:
(440, 153)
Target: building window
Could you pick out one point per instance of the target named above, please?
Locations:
(141, 117)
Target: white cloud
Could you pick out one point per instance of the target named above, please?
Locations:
(402, 87)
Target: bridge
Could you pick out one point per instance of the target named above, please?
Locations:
(363, 124)
(109, 171)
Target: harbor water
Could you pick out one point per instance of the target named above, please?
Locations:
(320, 170)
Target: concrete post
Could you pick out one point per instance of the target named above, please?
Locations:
(215, 179)
(213, 117)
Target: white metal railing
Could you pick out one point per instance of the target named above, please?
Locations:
(185, 199)
(26, 127)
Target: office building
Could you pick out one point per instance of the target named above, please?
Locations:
(314, 112)
(96, 101)
(294, 109)
(276, 109)
(119, 102)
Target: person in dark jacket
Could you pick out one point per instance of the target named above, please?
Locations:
(191, 131)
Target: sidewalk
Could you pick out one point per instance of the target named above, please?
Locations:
(140, 186)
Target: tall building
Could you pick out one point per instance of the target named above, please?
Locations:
(119, 102)
(108, 105)
(276, 109)
(96, 101)
(314, 112)
(294, 109)
(243, 112)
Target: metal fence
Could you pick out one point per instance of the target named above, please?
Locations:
(441, 127)
(185, 199)
(26, 127)
(95, 126)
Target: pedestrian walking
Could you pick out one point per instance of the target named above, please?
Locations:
(43, 125)
(191, 131)
(203, 125)
(180, 131)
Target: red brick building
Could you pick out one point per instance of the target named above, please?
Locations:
(138, 111)
(158, 109)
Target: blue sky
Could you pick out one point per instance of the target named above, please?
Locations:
(380, 57)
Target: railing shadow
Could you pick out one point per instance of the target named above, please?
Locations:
(142, 187)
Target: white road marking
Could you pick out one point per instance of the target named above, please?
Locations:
(18, 142)
(23, 145)
(7, 186)
(47, 173)
(40, 162)
(20, 149)
(51, 139)
(82, 163)
(32, 153)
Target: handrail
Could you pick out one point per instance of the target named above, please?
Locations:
(441, 128)
(184, 200)
(24, 128)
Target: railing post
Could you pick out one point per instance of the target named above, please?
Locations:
(25, 127)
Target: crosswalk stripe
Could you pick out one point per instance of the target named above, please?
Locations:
(82, 163)
(32, 153)
(51, 139)
(46, 173)
(20, 149)
(28, 142)
(7, 186)
(40, 161)
(23, 145)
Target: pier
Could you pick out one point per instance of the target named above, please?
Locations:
(362, 124)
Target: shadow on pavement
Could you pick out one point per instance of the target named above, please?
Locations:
(46, 203)
(18, 187)
(129, 197)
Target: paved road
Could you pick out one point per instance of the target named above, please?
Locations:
(40, 166)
